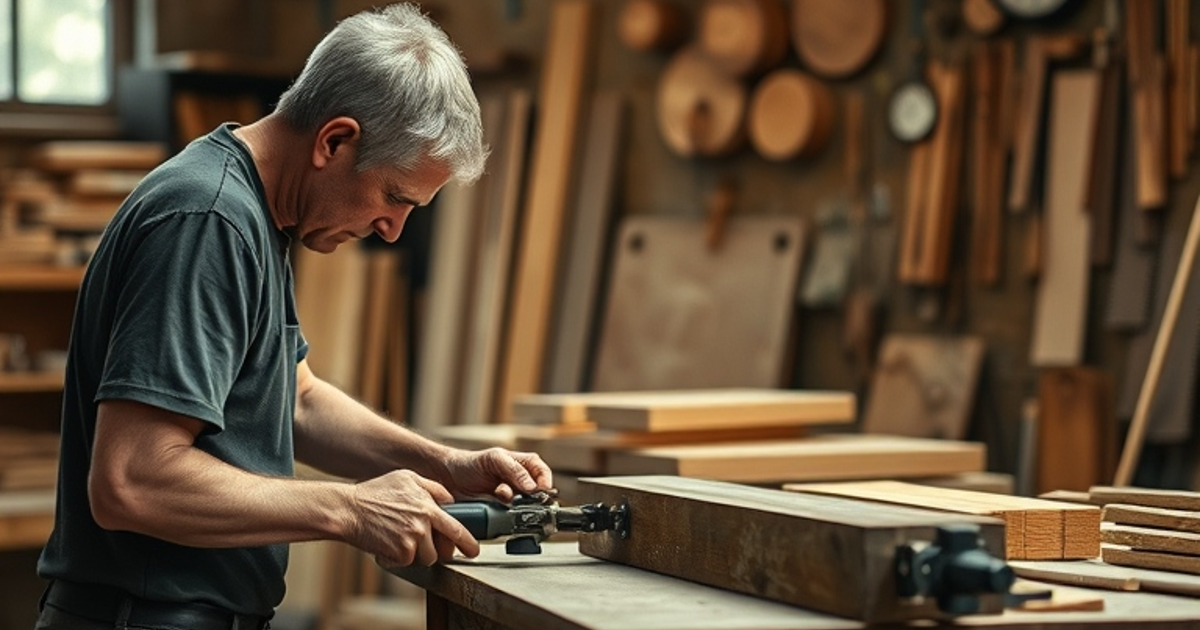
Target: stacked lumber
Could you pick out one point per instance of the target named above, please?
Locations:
(28, 459)
(1150, 529)
(1035, 529)
(53, 210)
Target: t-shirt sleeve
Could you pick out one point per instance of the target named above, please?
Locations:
(184, 317)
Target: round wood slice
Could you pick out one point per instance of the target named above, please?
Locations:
(743, 37)
(791, 115)
(700, 108)
(982, 16)
(837, 39)
(652, 25)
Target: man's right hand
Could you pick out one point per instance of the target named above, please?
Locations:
(398, 517)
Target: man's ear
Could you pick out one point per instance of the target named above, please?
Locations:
(335, 139)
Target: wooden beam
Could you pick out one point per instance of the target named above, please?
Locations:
(839, 556)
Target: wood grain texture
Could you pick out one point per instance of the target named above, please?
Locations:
(719, 409)
(1149, 539)
(838, 40)
(924, 386)
(1035, 529)
(1143, 559)
(668, 290)
(843, 549)
(560, 99)
(819, 458)
(1149, 497)
(1060, 313)
(1179, 520)
(1076, 417)
(590, 228)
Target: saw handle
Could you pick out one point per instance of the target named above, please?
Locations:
(484, 520)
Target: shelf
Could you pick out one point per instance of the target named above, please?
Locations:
(26, 519)
(31, 382)
(40, 278)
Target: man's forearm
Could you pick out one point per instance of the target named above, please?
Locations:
(338, 435)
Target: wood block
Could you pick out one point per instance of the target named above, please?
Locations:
(1145, 538)
(1179, 520)
(668, 289)
(838, 556)
(819, 458)
(1145, 559)
(1035, 529)
(1061, 599)
(924, 386)
(1149, 497)
(719, 409)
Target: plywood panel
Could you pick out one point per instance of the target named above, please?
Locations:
(924, 386)
(839, 555)
(819, 458)
(677, 315)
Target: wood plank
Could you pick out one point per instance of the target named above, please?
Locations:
(1149, 497)
(720, 409)
(1179, 520)
(71, 155)
(1144, 559)
(494, 262)
(844, 549)
(1149, 539)
(483, 436)
(1075, 409)
(819, 458)
(1036, 529)
(668, 289)
(567, 57)
(590, 230)
(924, 386)
(330, 298)
(557, 408)
(1060, 314)
(378, 320)
(1098, 574)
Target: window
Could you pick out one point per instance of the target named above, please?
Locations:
(56, 52)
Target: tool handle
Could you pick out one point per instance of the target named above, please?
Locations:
(484, 520)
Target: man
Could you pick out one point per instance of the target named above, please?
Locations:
(187, 393)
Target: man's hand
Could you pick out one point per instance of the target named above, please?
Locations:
(398, 517)
(497, 472)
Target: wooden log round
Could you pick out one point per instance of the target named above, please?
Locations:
(652, 25)
(743, 37)
(791, 115)
(838, 39)
(701, 109)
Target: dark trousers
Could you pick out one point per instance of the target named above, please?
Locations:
(68, 606)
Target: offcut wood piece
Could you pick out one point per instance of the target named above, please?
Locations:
(1162, 518)
(1035, 529)
(1075, 428)
(1148, 497)
(839, 557)
(590, 227)
(818, 458)
(675, 316)
(732, 409)
(73, 155)
(1150, 539)
(588, 452)
(495, 261)
(550, 179)
(1060, 314)
(1129, 557)
(924, 386)
(1061, 599)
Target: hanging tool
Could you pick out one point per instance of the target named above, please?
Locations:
(531, 518)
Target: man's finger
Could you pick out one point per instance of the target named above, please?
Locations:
(427, 553)
(436, 490)
(515, 473)
(449, 527)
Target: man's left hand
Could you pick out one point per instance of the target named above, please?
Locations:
(496, 471)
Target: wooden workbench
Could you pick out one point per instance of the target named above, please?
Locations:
(563, 589)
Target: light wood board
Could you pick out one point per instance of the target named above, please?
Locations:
(1150, 497)
(1035, 529)
(1097, 574)
(1150, 539)
(1145, 559)
(719, 409)
(677, 315)
(560, 97)
(924, 386)
(819, 458)
(839, 557)
(1179, 520)
(1075, 416)
(558, 408)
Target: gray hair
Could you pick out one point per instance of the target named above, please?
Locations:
(395, 72)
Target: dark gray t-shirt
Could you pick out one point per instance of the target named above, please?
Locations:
(187, 306)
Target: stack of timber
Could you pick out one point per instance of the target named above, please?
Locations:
(53, 210)
(1035, 529)
(28, 460)
(1150, 529)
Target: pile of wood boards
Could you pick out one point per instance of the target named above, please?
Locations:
(1035, 529)
(28, 459)
(1151, 529)
(53, 211)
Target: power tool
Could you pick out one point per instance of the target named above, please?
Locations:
(533, 517)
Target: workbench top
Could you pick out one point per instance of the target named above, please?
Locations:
(564, 589)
